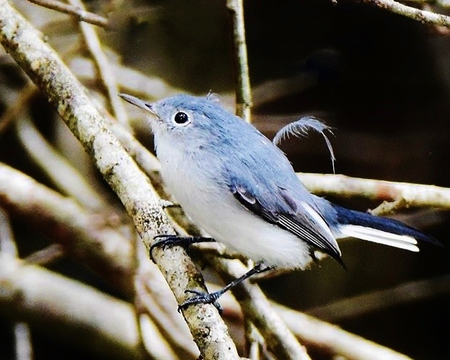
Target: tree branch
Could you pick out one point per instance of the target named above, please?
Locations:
(84, 234)
(423, 16)
(258, 310)
(65, 92)
(71, 309)
(333, 340)
(56, 167)
(81, 14)
(378, 190)
(103, 67)
(243, 89)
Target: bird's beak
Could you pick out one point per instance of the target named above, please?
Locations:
(138, 102)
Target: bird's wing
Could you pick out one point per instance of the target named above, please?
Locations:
(276, 205)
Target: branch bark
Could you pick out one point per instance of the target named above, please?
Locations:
(411, 194)
(423, 16)
(51, 75)
(79, 13)
(243, 89)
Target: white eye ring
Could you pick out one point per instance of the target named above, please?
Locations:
(181, 118)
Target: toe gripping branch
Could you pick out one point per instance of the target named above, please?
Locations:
(165, 241)
(200, 297)
(211, 298)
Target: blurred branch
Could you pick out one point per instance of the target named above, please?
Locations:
(312, 332)
(55, 166)
(103, 67)
(22, 335)
(143, 157)
(46, 255)
(17, 106)
(379, 190)
(258, 310)
(89, 312)
(76, 11)
(51, 75)
(71, 310)
(333, 340)
(82, 233)
(380, 300)
(320, 335)
(423, 16)
(7, 242)
(273, 90)
(130, 80)
(90, 241)
(243, 89)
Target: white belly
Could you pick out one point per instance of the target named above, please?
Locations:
(216, 211)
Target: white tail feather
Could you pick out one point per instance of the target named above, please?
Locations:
(378, 236)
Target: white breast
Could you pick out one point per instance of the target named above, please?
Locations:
(215, 210)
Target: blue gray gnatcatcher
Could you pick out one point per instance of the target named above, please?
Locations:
(242, 190)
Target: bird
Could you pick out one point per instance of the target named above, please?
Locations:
(242, 190)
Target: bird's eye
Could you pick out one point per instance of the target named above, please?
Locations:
(181, 118)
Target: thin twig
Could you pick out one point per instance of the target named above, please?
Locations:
(79, 13)
(243, 89)
(46, 256)
(103, 66)
(18, 105)
(22, 335)
(423, 16)
(417, 195)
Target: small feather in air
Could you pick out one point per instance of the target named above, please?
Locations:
(300, 128)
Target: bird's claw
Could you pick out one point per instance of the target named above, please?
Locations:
(201, 297)
(165, 241)
(175, 240)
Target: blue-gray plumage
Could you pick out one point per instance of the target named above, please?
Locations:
(242, 190)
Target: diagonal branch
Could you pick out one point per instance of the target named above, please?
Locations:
(81, 14)
(423, 16)
(103, 66)
(81, 232)
(64, 91)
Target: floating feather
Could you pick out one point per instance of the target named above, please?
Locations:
(300, 128)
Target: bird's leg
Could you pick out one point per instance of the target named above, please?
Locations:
(174, 240)
(211, 298)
